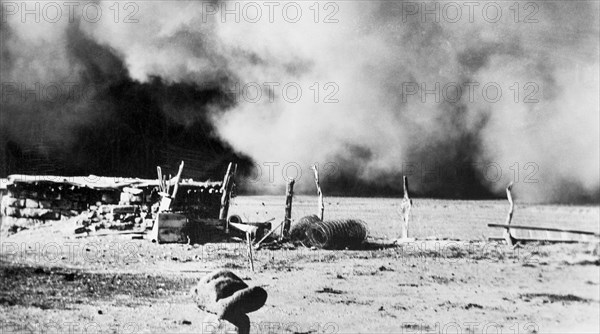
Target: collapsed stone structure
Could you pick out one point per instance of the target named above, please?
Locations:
(30, 200)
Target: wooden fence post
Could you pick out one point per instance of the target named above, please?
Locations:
(405, 208)
(289, 195)
(510, 240)
(321, 204)
(226, 197)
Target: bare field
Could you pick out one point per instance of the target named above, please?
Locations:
(53, 282)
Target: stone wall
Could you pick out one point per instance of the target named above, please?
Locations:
(34, 201)
(28, 204)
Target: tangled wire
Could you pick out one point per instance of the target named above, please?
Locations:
(338, 234)
(333, 234)
(299, 231)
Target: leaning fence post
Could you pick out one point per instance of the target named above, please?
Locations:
(226, 197)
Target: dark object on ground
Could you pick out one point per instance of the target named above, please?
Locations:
(224, 294)
(338, 234)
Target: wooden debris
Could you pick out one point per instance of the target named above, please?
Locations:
(177, 179)
(321, 204)
(250, 250)
(268, 234)
(161, 184)
(547, 229)
(246, 228)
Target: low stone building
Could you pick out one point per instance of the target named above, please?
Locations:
(30, 200)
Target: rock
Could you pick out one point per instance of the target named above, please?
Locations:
(80, 230)
(45, 204)
(12, 212)
(31, 203)
(36, 213)
(14, 202)
(125, 198)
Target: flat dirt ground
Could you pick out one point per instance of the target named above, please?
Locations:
(52, 282)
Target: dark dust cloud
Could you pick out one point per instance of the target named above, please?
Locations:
(120, 98)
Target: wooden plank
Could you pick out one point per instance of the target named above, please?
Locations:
(543, 240)
(250, 251)
(92, 234)
(537, 228)
(244, 227)
(177, 179)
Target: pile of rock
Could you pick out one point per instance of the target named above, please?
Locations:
(115, 217)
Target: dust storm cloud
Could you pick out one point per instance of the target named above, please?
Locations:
(462, 99)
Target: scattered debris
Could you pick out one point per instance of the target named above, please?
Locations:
(551, 297)
(259, 243)
(472, 305)
(330, 290)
